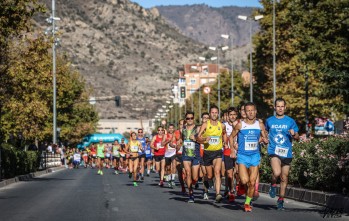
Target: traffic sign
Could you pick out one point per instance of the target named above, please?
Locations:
(207, 90)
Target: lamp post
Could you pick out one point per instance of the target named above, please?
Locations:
(225, 36)
(53, 30)
(255, 18)
(274, 57)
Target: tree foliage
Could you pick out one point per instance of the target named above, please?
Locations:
(311, 39)
(26, 96)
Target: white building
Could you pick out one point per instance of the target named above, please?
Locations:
(123, 125)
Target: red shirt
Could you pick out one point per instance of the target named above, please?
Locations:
(157, 143)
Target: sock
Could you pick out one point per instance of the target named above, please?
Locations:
(280, 198)
(148, 171)
(248, 200)
(206, 184)
(273, 185)
(173, 176)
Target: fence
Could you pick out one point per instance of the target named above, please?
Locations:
(49, 159)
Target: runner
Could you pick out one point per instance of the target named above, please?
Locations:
(108, 151)
(179, 159)
(148, 155)
(101, 149)
(116, 155)
(123, 159)
(93, 155)
(159, 154)
(76, 159)
(212, 134)
(229, 158)
(85, 157)
(191, 153)
(282, 129)
(132, 148)
(141, 139)
(248, 154)
(202, 172)
(240, 189)
(169, 141)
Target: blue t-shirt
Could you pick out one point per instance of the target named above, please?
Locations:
(143, 142)
(280, 139)
(148, 151)
(248, 138)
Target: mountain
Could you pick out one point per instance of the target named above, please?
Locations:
(123, 49)
(205, 24)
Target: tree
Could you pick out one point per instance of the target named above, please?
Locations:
(311, 38)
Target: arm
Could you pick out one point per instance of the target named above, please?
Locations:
(233, 134)
(225, 137)
(152, 143)
(200, 138)
(264, 133)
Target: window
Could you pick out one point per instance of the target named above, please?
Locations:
(192, 81)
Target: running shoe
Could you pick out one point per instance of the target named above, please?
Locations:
(205, 196)
(135, 184)
(169, 184)
(191, 199)
(148, 174)
(116, 172)
(101, 173)
(142, 178)
(280, 204)
(248, 208)
(173, 183)
(161, 183)
(226, 194)
(231, 197)
(129, 175)
(218, 198)
(272, 191)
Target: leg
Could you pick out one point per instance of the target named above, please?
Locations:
(162, 172)
(187, 168)
(217, 163)
(284, 180)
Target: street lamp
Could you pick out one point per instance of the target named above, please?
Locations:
(52, 20)
(274, 57)
(225, 36)
(249, 19)
(219, 75)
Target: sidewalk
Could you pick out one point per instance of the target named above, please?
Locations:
(29, 176)
(331, 201)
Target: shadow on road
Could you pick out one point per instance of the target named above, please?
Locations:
(28, 179)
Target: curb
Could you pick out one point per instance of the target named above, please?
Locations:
(329, 200)
(29, 176)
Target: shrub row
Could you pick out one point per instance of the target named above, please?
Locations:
(16, 162)
(318, 164)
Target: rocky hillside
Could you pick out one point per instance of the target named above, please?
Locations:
(205, 24)
(123, 49)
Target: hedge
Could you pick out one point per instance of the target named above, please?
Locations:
(318, 164)
(18, 162)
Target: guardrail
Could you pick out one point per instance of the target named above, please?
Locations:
(48, 160)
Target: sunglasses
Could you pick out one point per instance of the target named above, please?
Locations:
(189, 118)
(160, 130)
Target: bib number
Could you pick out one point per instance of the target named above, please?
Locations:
(214, 141)
(134, 148)
(282, 152)
(251, 145)
(158, 145)
(147, 152)
(189, 145)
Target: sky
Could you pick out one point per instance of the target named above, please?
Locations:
(212, 3)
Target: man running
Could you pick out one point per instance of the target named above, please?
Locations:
(229, 157)
(159, 154)
(100, 156)
(282, 130)
(179, 154)
(169, 141)
(249, 132)
(202, 172)
(116, 155)
(212, 134)
(148, 155)
(141, 139)
(191, 153)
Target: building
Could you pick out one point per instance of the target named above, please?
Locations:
(123, 125)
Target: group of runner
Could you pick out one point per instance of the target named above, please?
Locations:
(228, 148)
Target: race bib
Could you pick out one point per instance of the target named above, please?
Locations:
(77, 157)
(282, 152)
(251, 145)
(116, 153)
(147, 152)
(158, 145)
(189, 145)
(107, 155)
(94, 155)
(180, 149)
(134, 148)
(214, 140)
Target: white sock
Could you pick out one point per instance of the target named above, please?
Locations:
(173, 176)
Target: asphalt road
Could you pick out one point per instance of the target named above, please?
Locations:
(81, 194)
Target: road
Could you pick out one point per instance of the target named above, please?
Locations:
(81, 194)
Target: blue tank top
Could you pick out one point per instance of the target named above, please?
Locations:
(147, 150)
(143, 143)
(280, 139)
(248, 138)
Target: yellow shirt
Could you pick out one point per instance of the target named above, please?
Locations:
(134, 146)
(215, 132)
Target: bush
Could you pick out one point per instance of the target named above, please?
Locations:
(319, 164)
(18, 162)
